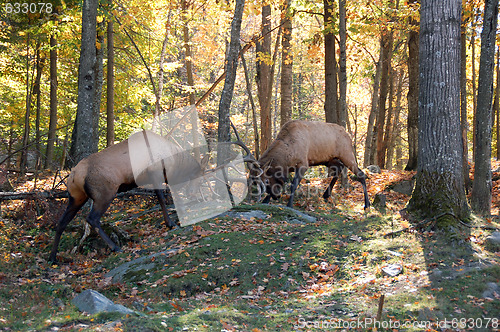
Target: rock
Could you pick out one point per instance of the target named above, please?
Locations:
(374, 169)
(136, 269)
(392, 269)
(94, 302)
(492, 291)
(404, 187)
(379, 201)
(494, 238)
(301, 215)
(256, 214)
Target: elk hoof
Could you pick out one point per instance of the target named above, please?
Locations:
(117, 249)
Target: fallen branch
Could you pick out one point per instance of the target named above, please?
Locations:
(47, 194)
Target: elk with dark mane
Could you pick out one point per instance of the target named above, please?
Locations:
(302, 144)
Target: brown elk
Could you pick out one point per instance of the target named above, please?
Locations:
(302, 144)
(101, 175)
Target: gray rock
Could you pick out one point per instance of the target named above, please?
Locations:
(301, 215)
(374, 169)
(492, 291)
(494, 238)
(136, 269)
(257, 214)
(94, 302)
(380, 200)
(393, 269)
(404, 187)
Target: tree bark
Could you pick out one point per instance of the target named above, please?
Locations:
(286, 65)
(331, 89)
(481, 187)
(369, 156)
(264, 88)
(231, 63)
(463, 103)
(252, 104)
(387, 43)
(497, 105)
(110, 91)
(26, 132)
(439, 189)
(53, 103)
(37, 92)
(412, 96)
(474, 79)
(342, 64)
(83, 141)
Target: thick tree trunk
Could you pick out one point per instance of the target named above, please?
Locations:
(412, 96)
(481, 187)
(83, 141)
(286, 65)
(439, 190)
(264, 88)
(331, 89)
(53, 103)
(224, 133)
(110, 91)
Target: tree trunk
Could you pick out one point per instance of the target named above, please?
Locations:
(83, 141)
(387, 42)
(481, 187)
(26, 133)
(474, 89)
(370, 132)
(101, 28)
(439, 189)
(264, 88)
(394, 130)
(342, 64)
(224, 133)
(53, 103)
(497, 107)
(110, 91)
(412, 97)
(252, 103)
(463, 104)
(37, 91)
(331, 92)
(286, 65)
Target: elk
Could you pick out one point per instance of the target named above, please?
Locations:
(302, 144)
(101, 175)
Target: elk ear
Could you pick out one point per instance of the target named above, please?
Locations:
(204, 162)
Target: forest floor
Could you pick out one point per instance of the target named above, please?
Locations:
(274, 273)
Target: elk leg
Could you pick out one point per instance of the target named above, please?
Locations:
(266, 199)
(163, 205)
(94, 219)
(335, 168)
(69, 214)
(361, 177)
(299, 173)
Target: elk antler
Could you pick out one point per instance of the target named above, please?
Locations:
(253, 165)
